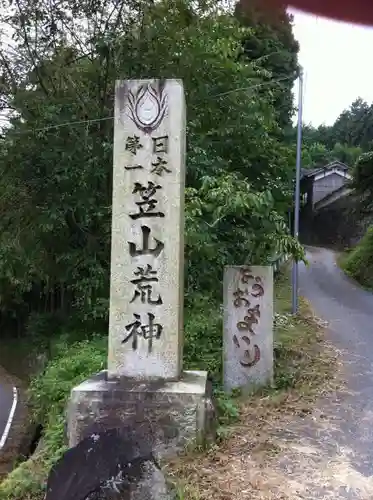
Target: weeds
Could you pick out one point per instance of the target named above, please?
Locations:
(358, 262)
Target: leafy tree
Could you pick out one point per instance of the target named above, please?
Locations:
(321, 135)
(346, 154)
(354, 126)
(270, 44)
(363, 180)
(315, 155)
(352, 129)
(319, 147)
(56, 155)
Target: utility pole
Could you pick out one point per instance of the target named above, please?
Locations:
(294, 301)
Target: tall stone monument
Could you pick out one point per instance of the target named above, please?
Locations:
(147, 259)
(248, 327)
(144, 385)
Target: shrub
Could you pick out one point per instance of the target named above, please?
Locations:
(203, 335)
(70, 365)
(359, 262)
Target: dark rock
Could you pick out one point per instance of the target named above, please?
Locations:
(112, 465)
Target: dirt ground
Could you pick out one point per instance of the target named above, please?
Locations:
(284, 448)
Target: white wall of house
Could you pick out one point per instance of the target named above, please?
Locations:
(327, 182)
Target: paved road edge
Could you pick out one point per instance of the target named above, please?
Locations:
(8, 425)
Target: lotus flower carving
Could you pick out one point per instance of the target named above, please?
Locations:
(147, 107)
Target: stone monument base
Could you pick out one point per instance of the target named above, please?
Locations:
(175, 414)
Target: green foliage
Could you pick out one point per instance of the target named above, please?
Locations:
(69, 366)
(363, 180)
(49, 391)
(270, 44)
(72, 363)
(55, 182)
(316, 151)
(228, 221)
(346, 154)
(345, 140)
(359, 262)
(203, 335)
(354, 126)
(294, 340)
(228, 413)
(56, 175)
(315, 155)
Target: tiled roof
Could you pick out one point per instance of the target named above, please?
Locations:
(311, 172)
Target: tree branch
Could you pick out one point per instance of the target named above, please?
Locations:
(26, 40)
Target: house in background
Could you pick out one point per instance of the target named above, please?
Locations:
(331, 213)
(323, 186)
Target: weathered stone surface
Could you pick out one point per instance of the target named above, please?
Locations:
(175, 413)
(113, 465)
(149, 485)
(144, 387)
(147, 283)
(248, 326)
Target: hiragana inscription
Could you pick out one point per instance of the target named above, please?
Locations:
(246, 274)
(146, 250)
(247, 359)
(251, 318)
(147, 331)
(240, 299)
(145, 276)
(147, 205)
(257, 288)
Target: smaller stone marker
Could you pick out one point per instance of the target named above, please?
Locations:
(248, 326)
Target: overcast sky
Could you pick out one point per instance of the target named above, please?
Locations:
(337, 65)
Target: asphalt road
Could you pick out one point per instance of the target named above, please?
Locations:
(6, 402)
(349, 311)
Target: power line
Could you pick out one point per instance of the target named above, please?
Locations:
(71, 123)
(94, 120)
(254, 86)
(65, 124)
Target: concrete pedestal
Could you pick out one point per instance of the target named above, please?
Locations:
(174, 413)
